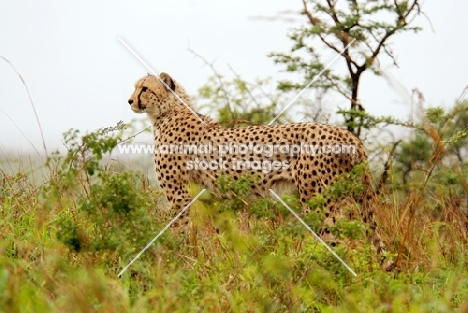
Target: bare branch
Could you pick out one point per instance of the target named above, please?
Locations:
(133, 136)
(384, 46)
(217, 75)
(248, 89)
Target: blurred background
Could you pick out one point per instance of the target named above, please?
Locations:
(80, 75)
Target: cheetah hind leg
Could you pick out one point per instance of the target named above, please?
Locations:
(333, 211)
(369, 202)
(331, 215)
(182, 224)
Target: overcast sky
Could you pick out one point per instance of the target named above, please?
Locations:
(80, 75)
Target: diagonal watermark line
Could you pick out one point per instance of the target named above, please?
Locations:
(313, 233)
(311, 82)
(160, 233)
(157, 76)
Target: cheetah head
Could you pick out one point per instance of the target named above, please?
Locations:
(152, 94)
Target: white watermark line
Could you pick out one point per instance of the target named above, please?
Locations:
(234, 148)
(313, 233)
(159, 78)
(160, 233)
(311, 82)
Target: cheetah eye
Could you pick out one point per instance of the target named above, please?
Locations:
(144, 89)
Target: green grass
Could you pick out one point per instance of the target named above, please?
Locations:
(64, 241)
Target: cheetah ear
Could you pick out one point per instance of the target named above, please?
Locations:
(168, 80)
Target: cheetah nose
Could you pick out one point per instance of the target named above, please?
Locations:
(130, 101)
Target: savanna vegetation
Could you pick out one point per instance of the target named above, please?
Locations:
(72, 223)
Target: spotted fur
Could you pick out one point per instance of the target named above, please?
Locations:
(174, 121)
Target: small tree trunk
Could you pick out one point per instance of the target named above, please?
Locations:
(355, 105)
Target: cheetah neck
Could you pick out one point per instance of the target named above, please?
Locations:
(157, 120)
(178, 116)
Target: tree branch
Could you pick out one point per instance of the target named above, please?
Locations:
(333, 11)
(402, 22)
(248, 89)
(342, 36)
(218, 76)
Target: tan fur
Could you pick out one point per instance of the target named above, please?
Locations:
(174, 122)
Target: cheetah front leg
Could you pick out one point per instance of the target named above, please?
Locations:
(174, 185)
(307, 190)
(177, 204)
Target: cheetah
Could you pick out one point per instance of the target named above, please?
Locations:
(239, 151)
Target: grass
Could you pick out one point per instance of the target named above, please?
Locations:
(64, 240)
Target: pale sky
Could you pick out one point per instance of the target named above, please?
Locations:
(80, 75)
